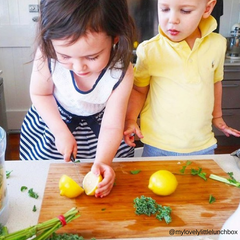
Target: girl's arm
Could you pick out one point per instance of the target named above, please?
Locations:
(217, 113)
(41, 92)
(111, 133)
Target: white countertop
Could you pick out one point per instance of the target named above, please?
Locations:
(231, 62)
(33, 174)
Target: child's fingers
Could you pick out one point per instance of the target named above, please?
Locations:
(128, 132)
(139, 133)
(129, 141)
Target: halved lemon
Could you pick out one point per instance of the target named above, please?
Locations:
(90, 182)
(69, 188)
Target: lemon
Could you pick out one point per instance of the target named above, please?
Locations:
(90, 183)
(163, 183)
(69, 188)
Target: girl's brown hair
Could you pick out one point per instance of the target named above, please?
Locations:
(71, 19)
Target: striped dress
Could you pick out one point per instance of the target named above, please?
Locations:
(82, 111)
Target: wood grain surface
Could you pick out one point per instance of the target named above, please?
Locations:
(114, 216)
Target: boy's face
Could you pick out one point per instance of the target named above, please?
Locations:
(179, 20)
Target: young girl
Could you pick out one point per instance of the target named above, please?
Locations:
(80, 85)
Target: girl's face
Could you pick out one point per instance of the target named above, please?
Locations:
(87, 57)
(179, 20)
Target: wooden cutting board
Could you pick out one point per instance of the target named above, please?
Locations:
(114, 216)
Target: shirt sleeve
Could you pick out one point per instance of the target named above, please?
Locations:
(219, 72)
(141, 69)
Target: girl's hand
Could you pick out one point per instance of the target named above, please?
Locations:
(105, 186)
(222, 126)
(131, 128)
(66, 144)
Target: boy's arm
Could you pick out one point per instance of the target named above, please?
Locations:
(135, 105)
(217, 113)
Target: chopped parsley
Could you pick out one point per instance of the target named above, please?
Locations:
(148, 206)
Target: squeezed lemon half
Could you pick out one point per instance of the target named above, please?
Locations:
(163, 182)
(69, 188)
(90, 183)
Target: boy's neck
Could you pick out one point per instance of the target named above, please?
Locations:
(190, 40)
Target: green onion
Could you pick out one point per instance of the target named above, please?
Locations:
(43, 230)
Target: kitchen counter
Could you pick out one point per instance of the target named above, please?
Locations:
(33, 174)
(231, 62)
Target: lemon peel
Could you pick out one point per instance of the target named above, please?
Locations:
(69, 188)
(163, 182)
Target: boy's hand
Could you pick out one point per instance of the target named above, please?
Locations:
(131, 128)
(222, 126)
(105, 186)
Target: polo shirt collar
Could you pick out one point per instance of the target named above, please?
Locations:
(206, 25)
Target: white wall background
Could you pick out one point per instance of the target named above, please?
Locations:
(17, 31)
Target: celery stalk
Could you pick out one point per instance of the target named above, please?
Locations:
(224, 180)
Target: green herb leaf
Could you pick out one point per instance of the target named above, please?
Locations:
(23, 188)
(212, 199)
(32, 194)
(8, 173)
(231, 175)
(199, 173)
(103, 209)
(3, 230)
(184, 167)
(135, 171)
(34, 208)
(232, 179)
(203, 176)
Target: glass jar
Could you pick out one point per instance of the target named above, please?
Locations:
(4, 205)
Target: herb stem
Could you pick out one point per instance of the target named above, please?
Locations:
(42, 230)
(224, 180)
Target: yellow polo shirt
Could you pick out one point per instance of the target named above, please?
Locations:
(177, 115)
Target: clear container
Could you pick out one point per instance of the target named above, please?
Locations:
(4, 204)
